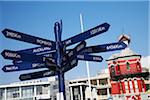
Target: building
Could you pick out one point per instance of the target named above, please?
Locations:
(127, 77)
(77, 89)
(147, 81)
(100, 82)
(32, 90)
(81, 91)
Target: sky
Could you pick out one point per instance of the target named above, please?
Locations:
(38, 18)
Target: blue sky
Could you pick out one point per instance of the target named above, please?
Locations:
(38, 18)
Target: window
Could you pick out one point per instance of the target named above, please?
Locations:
(136, 86)
(142, 83)
(128, 66)
(120, 84)
(2, 93)
(126, 87)
(103, 81)
(13, 93)
(118, 68)
(112, 70)
(131, 86)
(138, 66)
(27, 91)
(94, 82)
(42, 89)
(102, 92)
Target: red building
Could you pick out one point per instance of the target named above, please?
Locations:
(127, 80)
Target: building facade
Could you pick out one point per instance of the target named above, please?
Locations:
(32, 90)
(81, 91)
(127, 77)
(100, 82)
(77, 89)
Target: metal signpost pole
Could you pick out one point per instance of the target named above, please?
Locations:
(58, 30)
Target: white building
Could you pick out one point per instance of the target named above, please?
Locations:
(31, 90)
(100, 82)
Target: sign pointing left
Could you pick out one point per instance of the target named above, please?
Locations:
(27, 38)
(13, 55)
(23, 66)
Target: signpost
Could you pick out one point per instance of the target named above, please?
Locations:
(73, 53)
(13, 55)
(105, 47)
(38, 50)
(87, 57)
(53, 55)
(87, 34)
(8, 33)
(35, 75)
(23, 66)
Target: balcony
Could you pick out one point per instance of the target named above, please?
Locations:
(102, 86)
(101, 97)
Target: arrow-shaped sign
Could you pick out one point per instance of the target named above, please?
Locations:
(23, 66)
(87, 34)
(105, 47)
(51, 65)
(35, 75)
(73, 53)
(39, 50)
(51, 56)
(87, 57)
(13, 55)
(69, 66)
(27, 38)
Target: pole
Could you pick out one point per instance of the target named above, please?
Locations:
(58, 30)
(87, 63)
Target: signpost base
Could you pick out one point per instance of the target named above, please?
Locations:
(60, 96)
(61, 80)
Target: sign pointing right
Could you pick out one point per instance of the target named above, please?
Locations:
(105, 47)
(73, 53)
(87, 34)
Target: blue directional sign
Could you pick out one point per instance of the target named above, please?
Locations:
(39, 50)
(27, 38)
(23, 66)
(51, 65)
(51, 56)
(73, 53)
(12, 55)
(87, 34)
(86, 57)
(35, 75)
(105, 47)
(69, 66)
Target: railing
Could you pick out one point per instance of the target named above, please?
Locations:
(101, 97)
(101, 86)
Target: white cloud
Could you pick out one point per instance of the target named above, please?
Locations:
(145, 62)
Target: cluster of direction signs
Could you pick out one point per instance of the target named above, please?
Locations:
(54, 55)
(45, 56)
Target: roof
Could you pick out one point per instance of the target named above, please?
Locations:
(127, 52)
